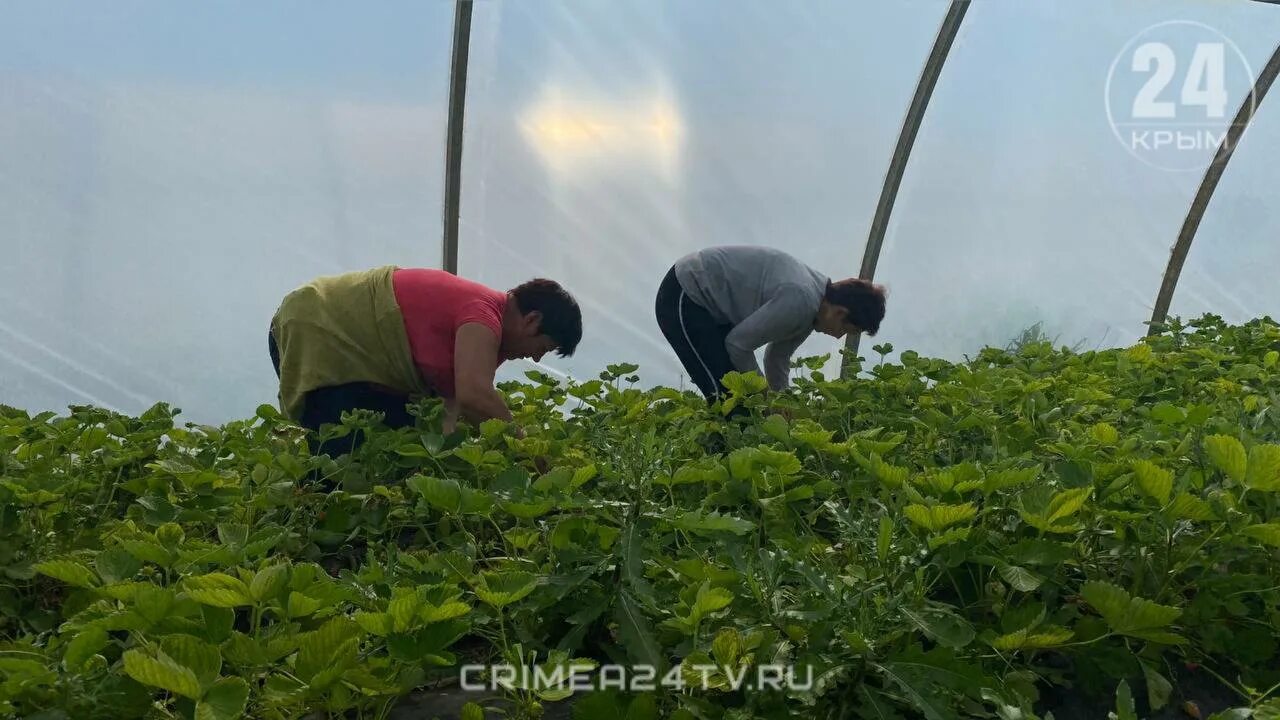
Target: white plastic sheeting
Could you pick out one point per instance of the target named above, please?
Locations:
(167, 172)
(1020, 206)
(605, 140)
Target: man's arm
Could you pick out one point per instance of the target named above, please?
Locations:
(779, 318)
(777, 360)
(475, 361)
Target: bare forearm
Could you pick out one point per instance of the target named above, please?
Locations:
(483, 405)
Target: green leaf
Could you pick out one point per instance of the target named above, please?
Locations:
(233, 534)
(582, 476)
(709, 600)
(941, 625)
(472, 711)
(1189, 507)
(1104, 433)
(744, 384)
(884, 540)
(403, 609)
(244, 651)
(1040, 508)
(300, 605)
(163, 672)
(148, 551)
(1227, 454)
(1136, 617)
(170, 534)
(1268, 533)
(937, 518)
(1019, 578)
(318, 648)
(710, 523)
(225, 700)
(1031, 638)
(1158, 688)
(269, 581)
(447, 495)
(1263, 472)
(703, 471)
(557, 479)
(603, 705)
(1039, 552)
(374, 623)
(1124, 703)
(1167, 413)
(439, 613)
(152, 602)
(1269, 710)
(636, 634)
(203, 659)
(1155, 482)
(1067, 503)
(116, 564)
(890, 475)
(218, 590)
(527, 510)
(954, 535)
(503, 588)
(83, 646)
(924, 695)
(68, 571)
(875, 706)
(726, 648)
(217, 622)
(642, 707)
(1011, 478)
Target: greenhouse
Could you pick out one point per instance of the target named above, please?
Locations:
(1016, 457)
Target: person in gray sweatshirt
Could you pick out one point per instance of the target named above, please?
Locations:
(717, 306)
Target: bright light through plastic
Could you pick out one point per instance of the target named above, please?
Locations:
(573, 134)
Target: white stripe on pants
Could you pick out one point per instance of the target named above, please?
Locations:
(715, 382)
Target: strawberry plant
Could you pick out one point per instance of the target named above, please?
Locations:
(932, 540)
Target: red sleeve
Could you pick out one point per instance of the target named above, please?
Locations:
(484, 311)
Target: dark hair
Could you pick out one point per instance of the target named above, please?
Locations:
(863, 300)
(561, 318)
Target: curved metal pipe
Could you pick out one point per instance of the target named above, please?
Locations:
(902, 153)
(1208, 186)
(453, 134)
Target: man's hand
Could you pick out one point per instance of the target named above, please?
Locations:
(541, 464)
(450, 415)
(786, 412)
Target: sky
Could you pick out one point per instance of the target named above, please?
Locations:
(169, 171)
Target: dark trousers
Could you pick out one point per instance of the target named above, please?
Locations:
(695, 336)
(325, 405)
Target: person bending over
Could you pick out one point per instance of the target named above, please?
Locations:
(378, 339)
(717, 306)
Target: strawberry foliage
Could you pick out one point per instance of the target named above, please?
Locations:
(933, 539)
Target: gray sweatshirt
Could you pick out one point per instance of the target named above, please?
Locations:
(767, 295)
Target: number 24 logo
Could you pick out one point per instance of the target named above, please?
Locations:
(1205, 84)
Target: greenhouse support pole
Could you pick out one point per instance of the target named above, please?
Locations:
(1207, 187)
(453, 133)
(902, 153)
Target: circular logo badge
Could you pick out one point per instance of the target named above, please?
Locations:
(1173, 91)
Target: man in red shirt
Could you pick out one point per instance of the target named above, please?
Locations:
(375, 339)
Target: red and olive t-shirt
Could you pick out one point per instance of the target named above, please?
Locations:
(435, 304)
